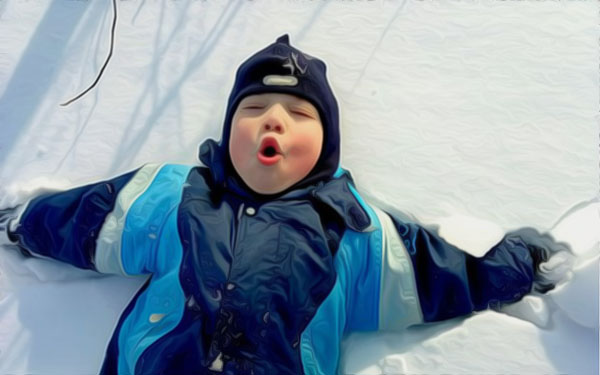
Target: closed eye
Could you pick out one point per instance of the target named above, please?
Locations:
(303, 114)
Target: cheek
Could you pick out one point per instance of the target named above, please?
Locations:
(307, 148)
(240, 144)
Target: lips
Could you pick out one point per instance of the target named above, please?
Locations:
(269, 151)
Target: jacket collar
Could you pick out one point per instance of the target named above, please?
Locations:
(335, 192)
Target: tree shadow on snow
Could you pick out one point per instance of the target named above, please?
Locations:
(40, 64)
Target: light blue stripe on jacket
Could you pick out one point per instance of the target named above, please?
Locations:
(352, 303)
(108, 245)
(151, 244)
(375, 290)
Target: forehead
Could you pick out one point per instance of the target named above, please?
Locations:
(277, 97)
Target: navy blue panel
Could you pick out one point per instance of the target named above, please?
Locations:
(65, 225)
(451, 282)
(111, 359)
(252, 283)
(180, 352)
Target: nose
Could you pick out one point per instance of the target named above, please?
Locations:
(275, 127)
(274, 120)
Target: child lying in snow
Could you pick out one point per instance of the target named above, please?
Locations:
(262, 259)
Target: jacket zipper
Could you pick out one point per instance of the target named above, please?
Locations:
(218, 363)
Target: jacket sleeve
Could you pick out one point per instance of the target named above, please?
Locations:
(111, 226)
(425, 279)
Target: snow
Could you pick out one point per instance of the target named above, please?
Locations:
(479, 117)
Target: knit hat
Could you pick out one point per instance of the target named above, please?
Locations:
(281, 68)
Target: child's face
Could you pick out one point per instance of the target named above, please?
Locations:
(275, 141)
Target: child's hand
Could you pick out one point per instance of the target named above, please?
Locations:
(574, 271)
(13, 200)
(7, 217)
(8, 221)
(553, 265)
(553, 261)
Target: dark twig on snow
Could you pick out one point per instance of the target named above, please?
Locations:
(112, 42)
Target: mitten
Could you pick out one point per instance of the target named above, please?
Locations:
(8, 217)
(8, 222)
(552, 260)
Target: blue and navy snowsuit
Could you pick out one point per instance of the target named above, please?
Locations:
(239, 285)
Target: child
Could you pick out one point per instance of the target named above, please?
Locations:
(263, 259)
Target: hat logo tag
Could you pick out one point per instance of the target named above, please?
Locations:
(295, 60)
(292, 63)
(276, 80)
(288, 64)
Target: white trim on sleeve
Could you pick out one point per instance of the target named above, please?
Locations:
(108, 244)
(398, 300)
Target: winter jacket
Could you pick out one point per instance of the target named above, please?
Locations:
(244, 286)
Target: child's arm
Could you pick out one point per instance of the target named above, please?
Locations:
(422, 278)
(451, 282)
(111, 226)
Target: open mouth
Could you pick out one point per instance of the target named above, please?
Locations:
(269, 152)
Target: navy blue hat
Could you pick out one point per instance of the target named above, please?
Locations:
(281, 68)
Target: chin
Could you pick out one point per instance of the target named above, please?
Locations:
(267, 191)
(262, 187)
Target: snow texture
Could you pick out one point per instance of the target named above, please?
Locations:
(479, 117)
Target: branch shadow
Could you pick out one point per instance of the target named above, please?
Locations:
(37, 69)
(132, 142)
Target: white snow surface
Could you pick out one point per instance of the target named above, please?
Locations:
(479, 117)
